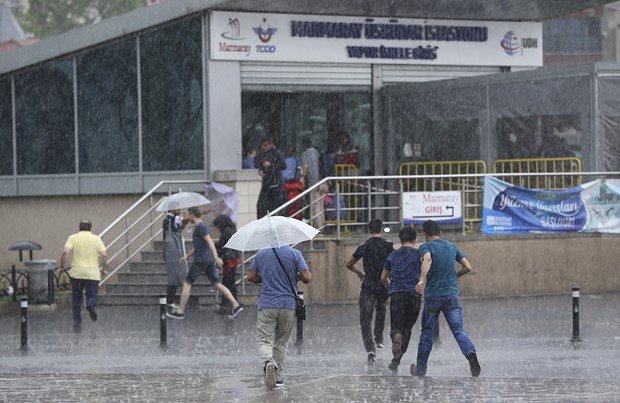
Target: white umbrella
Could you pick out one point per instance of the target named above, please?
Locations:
(271, 232)
(182, 200)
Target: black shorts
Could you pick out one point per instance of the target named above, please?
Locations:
(197, 268)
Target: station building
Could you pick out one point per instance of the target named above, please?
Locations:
(93, 117)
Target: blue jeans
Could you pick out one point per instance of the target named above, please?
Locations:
(453, 313)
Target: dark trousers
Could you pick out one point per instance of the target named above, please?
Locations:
(404, 311)
(229, 281)
(371, 301)
(171, 292)
(78, 286)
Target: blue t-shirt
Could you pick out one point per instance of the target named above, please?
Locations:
(441, 278)
(276, 291)
(404, 266)
(202, 253)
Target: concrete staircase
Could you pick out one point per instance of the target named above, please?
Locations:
(145, 281)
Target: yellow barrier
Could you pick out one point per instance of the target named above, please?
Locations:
(540, 165)
(472, 187)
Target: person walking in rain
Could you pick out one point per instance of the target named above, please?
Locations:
(174, 250)
(276, 305)
(230, 257)
(373, 295)
(88, 263)
(438, 282)
(205, 259)
(400, 276)
(270, 164)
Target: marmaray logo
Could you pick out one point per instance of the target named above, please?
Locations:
(264, 31)
(235, 30)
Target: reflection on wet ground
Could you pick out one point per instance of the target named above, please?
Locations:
(523, 345)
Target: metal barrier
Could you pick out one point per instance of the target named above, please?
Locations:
(140, 225)
(471, 187)
(558, 167)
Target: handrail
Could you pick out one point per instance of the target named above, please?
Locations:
(139, 221)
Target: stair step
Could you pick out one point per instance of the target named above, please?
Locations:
(153, 299)
(157, 278)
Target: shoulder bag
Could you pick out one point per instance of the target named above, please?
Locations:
(300, 306)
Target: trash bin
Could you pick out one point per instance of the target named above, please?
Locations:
(40, 281)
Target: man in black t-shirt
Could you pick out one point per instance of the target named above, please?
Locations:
(373, 295)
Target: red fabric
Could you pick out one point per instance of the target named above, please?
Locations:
(230, 264)
(294, 189)
(348, 158)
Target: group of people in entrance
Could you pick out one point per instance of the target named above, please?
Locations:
(286, 176)
(403, 275)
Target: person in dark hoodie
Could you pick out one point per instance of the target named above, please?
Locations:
(227, 228)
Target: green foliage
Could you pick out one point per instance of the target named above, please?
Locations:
(46, 18)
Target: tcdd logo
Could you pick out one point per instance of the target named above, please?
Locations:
(265, 49)
(510, 43)
(265, 31)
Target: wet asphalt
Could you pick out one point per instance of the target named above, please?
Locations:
(524, 345)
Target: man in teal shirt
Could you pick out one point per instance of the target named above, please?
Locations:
(441, 294)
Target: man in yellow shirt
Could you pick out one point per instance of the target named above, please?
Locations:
(88, 262)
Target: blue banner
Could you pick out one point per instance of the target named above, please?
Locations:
(591, 207)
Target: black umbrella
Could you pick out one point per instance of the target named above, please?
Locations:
(25, 245)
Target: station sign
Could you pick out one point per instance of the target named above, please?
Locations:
(362, 40)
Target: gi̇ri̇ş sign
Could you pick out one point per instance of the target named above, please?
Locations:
(419, 207)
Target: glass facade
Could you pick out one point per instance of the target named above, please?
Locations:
(107, 85)
(172, 101)
(288, 118)
(6, 128)
(45, 120)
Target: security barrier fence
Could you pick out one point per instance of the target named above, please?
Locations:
(559, 166)
(351, 201)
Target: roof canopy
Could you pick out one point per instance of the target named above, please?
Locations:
(500, 10)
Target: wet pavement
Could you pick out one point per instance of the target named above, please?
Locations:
(524, 347)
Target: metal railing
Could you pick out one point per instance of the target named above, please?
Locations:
(370, 197)
(140, 224)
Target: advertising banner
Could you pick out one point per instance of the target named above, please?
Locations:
(437, 206)
(340, 39)
(591, 207)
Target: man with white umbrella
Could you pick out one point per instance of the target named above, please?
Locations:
(278, 267)
(205, 259)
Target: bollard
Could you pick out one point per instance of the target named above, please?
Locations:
(576, 315)
(300, 325)
(14, 282)
(24, 320)
(163, 333)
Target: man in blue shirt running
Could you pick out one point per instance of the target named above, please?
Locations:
(441, 294)
(400, 275)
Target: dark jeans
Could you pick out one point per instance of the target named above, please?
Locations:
(453, 313)
(369, 302)
(269, 199)
(404, 311)
(229, 281)
(78, 287)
